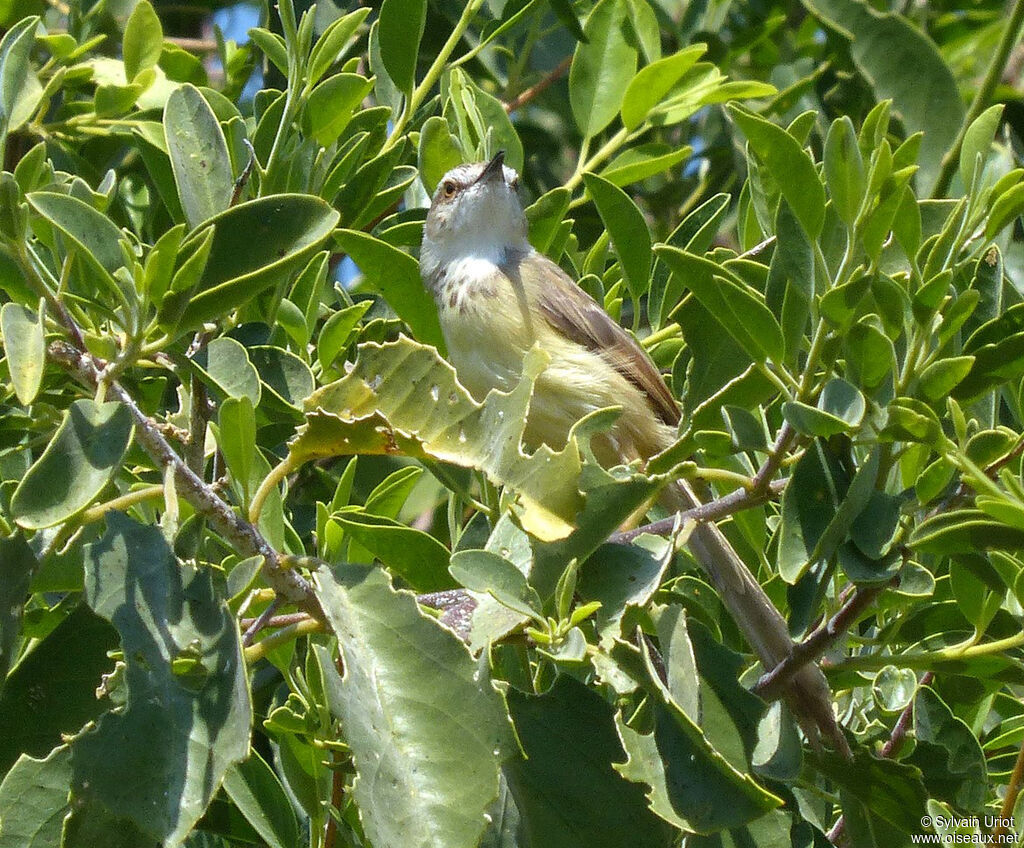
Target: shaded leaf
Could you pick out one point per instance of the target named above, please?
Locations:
(52, 691)
(254, 245)
(160, 761)
(567, 789)
(257, 792)
(948, 754)
(82, 457)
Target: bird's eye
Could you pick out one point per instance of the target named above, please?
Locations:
(449, 189)
(514, 184)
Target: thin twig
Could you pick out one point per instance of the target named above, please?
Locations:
(722, 507)
(277, 620)
(195, 45)
(772, 684)
(261, 621)
(529, 94)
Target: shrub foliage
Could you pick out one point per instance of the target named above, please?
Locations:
(269, 575)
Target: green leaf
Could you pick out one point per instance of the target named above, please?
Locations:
(52, 690)
(978, 141)
(286, 378)
(643, 161)
(1005, 210)
(809, 503)
(332, 43)
(160, 761)
(545, 216)
(17, 566)
(401, 28)
(416, 557)
(744, 314)
(790, 166)
(199, 155)
(34, 800)
(692, 785)
(332, 103)
(869, 352)
(396, 276)
(628, 231)
(15, 72)
(839, 411)
(620, 577)
(883, 47)
(96, 236)
(948, 754)
(143, 40)
(236, 438)
(410, 688)
(891, 790)
(941, 377)
(844, 170)
(256, 791)
(254, 245)
(654, 81)
(488, 573)
(566, 788)
(25, 348)
(224, 364)
(964, 531)
(910, 420)
(438, 153)
(338, 331)
(273, 47)
(82, 457)
(602, 67)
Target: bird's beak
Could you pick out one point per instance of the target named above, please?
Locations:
(493, 168)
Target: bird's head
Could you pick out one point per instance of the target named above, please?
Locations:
(475, 211)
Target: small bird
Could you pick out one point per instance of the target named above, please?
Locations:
(497, 297)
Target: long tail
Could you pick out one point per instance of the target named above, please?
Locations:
(759, 620)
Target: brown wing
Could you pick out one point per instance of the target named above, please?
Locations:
(575, 314)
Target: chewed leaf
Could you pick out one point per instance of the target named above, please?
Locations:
(401, 397)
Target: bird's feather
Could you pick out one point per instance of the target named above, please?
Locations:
(576, 315)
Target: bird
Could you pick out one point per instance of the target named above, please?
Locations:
(497, 298)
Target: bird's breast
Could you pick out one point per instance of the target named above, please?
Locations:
(484, 324)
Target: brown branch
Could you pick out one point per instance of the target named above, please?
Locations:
(762, 489)
(194, 45)
(722, 507)
(772, 684)
(240, 534)
(276, 620)
(529, 94)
